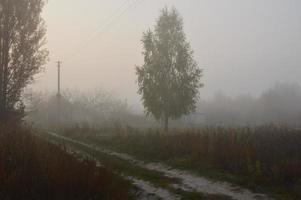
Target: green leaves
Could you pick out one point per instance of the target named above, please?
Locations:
(169, 80)
(22, 37)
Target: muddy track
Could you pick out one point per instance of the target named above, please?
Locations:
(188, 181)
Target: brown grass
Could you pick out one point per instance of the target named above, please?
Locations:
(268, 156)
(31, 168)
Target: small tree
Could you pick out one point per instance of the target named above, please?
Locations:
(22, 36)
(169, 80)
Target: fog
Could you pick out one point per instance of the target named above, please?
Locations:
(244, 47)
(150, 99)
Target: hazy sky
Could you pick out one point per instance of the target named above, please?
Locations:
(244, 46)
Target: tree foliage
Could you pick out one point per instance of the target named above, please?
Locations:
(169, 80)
(22, 36)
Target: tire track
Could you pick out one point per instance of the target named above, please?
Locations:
(190, 182)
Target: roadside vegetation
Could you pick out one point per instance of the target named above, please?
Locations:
(262, 158)
(31, 168)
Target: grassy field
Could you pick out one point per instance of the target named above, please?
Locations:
(31, 168)
(264, 158)
(159, 180)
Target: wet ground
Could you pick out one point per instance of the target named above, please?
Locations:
(186, 185)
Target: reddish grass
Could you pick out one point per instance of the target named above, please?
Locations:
(31, 168)
(269, 156)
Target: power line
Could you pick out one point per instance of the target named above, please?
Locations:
(109, 18)
(101, 29)
(109, 22)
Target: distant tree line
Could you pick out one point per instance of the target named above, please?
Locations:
(89, 109)
(279, 104)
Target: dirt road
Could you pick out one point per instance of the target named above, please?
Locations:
(187, 186)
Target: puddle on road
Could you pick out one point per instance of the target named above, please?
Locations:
(146, 190)
(190, 182)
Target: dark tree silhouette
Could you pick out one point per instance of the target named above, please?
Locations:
(22, 36)
(169, 80)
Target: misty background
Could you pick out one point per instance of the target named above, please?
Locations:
(248, 49)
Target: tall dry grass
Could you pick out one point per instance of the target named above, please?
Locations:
(267, 155)
(31, 168)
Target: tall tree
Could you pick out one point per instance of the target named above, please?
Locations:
(169, 80)
(22, 36)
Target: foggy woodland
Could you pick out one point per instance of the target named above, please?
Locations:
(97, 108)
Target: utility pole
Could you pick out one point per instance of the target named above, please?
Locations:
(59, 94)
(59, 79)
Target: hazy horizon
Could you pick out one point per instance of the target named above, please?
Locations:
(243, 46)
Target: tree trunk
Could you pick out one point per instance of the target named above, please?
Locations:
(1, 70)
(4, 76)
(5, 46)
